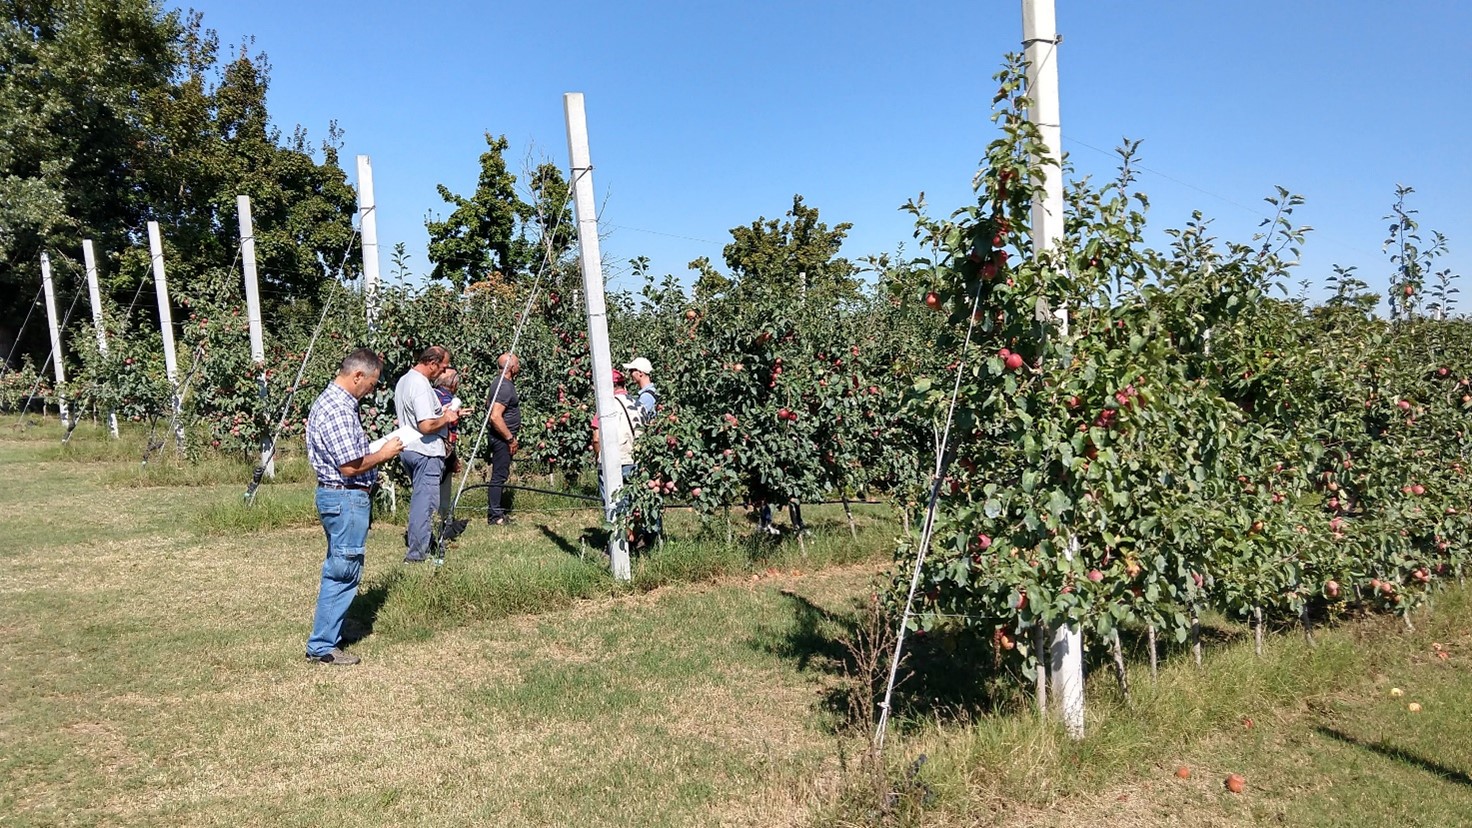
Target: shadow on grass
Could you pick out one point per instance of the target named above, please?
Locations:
(947, 677)
(363, 613)
(1399, 755)
(810, 638)
(561, 542)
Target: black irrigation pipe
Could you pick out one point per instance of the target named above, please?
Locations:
(539, 491)
(683, 506)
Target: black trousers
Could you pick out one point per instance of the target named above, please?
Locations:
(500, 471)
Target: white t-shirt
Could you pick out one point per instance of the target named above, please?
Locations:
(622, 430)
(415, 400)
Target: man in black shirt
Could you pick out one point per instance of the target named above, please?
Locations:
(505, 420)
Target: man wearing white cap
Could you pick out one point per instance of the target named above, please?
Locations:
(640, 369)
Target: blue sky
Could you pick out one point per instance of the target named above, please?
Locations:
(704, 116)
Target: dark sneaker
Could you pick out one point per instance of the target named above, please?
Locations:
(499, 520)
(410, 559)
(335, 656)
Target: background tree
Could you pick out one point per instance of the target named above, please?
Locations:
(792, 257)
(480, 238)
(119, 113)
(76, 81)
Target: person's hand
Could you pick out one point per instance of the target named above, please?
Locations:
(392, 447)
(452, 416)
(514, 447)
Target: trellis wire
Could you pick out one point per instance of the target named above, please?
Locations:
(260, 471)
(526, 313)
(4, 369)
(41, 373)
(942, 451)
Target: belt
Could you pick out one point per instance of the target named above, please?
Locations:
(357, 487)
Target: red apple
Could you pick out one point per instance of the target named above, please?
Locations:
(1235, 783)
(1014, 361)
(1095, 575)
(932, 300)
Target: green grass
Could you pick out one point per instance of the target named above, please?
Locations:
(150, 662)
(1312, 729)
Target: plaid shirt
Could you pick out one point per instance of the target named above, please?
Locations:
(335, 436)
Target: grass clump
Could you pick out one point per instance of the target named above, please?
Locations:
(166, 470)
(272, 508)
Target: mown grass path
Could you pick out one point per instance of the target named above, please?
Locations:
(151, 672)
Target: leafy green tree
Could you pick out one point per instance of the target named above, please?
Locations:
(118, 113)
(797, 256)
(76, 81)
(480, 237)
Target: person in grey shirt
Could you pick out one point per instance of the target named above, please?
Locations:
(505, 424)
(417, 406)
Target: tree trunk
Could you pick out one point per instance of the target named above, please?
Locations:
(1308, 625)
(1119, 670)
(1154, 654)
(1257, 630)
(1195, 635)
(849, 513)
(1039, 642)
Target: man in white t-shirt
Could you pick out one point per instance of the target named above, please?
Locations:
(416, 405)
(626, 427)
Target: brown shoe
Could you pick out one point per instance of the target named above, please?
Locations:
(335, 656)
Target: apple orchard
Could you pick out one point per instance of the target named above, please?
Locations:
(1205, 442)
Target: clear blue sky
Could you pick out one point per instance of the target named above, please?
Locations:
(704, 116)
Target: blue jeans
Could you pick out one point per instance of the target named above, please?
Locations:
(425, 472)
(344, 514)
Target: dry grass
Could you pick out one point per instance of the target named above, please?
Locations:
(152, 675)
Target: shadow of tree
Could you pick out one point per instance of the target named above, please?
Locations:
(1400, 755)
(949, 676)
(559, 541)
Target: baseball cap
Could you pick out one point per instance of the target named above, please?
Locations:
(618, 377)
(639, 364)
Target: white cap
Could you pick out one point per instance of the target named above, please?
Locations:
(639, 364)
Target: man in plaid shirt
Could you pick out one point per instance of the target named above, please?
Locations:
(346, 470)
